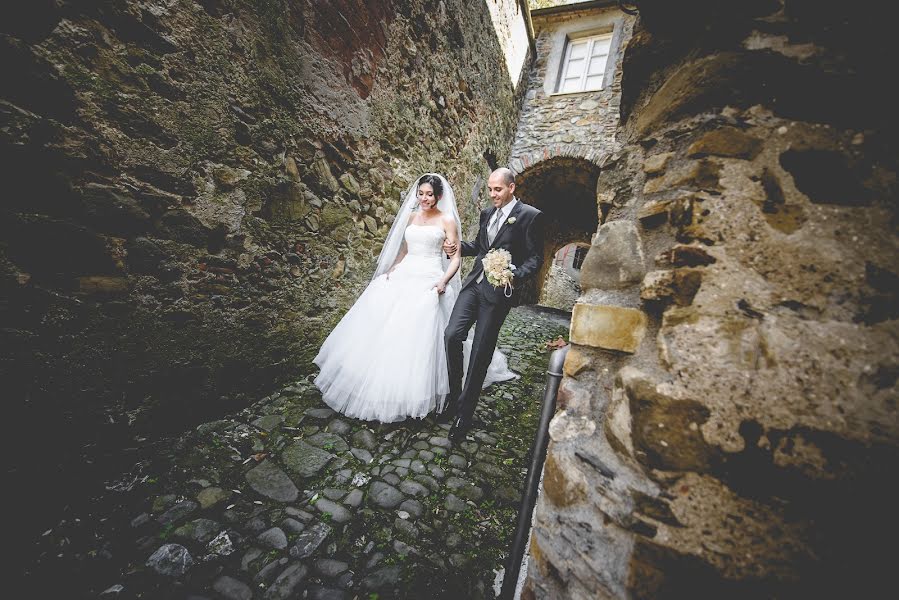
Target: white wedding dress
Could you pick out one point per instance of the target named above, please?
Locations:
(386, 360)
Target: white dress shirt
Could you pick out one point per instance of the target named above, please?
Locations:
(502, 213)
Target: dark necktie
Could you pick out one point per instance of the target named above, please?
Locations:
(494, 227)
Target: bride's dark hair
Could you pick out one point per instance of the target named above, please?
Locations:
(434, 182)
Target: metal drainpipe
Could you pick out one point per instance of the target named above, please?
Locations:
(538, 455)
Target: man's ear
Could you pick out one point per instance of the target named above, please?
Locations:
(512, 187)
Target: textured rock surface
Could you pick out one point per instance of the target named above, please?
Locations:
(197, 191)
(742, 450)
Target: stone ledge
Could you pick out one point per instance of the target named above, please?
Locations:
(608, 327)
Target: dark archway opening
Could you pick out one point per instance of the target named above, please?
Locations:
(564, 188)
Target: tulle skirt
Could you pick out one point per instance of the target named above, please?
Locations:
(386, 359)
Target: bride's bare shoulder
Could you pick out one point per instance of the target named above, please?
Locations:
(449, 225)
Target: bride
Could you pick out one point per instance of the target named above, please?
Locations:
(386, 360)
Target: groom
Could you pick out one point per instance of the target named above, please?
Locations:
(518, 228)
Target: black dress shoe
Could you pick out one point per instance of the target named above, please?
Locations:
(444, 417)
(459, 430)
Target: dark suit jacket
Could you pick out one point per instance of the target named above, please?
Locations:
(523, 239)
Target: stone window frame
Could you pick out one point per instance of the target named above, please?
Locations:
(602, 23)
(566, 62)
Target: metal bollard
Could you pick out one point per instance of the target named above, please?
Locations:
(538, 456)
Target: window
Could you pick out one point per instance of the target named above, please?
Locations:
(585, 63)
(580, 253)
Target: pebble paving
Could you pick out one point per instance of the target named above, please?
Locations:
(287, 499)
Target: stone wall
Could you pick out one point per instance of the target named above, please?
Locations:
(197, 190)
(560, 290)
(727, 423)
(580, 125)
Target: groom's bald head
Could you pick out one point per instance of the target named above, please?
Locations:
(505, 174)
(501, 186)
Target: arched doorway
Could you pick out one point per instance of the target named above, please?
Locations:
(564, 188)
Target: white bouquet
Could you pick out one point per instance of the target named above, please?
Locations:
(499, 270)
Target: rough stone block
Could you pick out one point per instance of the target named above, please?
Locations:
(727, 141)
(182, 226)
(653, 212)
(665, 432)
(677, 285)
(336, 216)
(226, 178)
(563, 483)
(323, 170)
(687, 255)
(171, 560)
(657, 163)
(304, 460)
(616, 258)
(290, 167)
(576, 361)
(618, 423)
(700, 174)
(349, 183)
(604, 200)
(211, 496)
(608, 327)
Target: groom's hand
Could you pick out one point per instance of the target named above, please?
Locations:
(449, 248)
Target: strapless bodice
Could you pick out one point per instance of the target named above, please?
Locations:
(424, 240)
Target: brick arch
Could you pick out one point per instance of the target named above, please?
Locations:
(524, 162)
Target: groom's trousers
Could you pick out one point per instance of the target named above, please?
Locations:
(476, 304)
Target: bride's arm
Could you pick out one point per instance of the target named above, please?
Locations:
(449, 227)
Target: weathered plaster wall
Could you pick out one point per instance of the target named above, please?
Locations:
(728, 423)
(510, 24)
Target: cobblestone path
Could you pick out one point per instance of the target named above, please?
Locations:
(287, 499)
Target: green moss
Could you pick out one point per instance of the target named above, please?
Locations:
(144, 69)
(166, 532)
(201, 135)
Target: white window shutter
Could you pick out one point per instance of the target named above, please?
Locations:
(585, 64)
